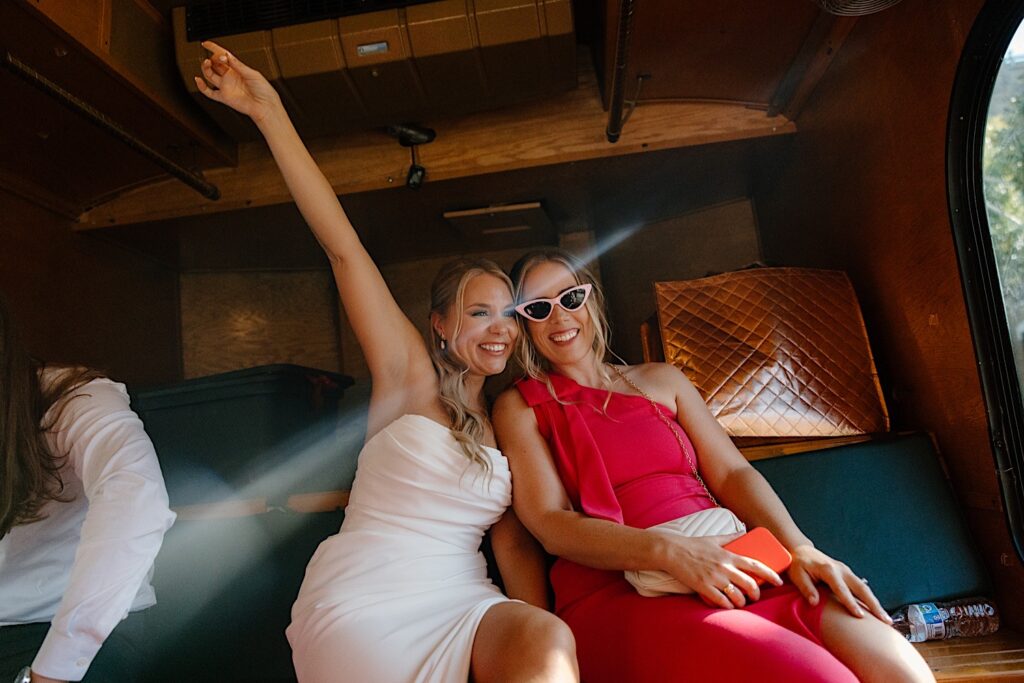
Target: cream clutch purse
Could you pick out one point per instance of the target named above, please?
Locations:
(714, 521)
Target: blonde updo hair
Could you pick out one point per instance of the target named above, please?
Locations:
(448, 291)
(533, 364)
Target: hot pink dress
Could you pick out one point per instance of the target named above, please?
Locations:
(624, 465)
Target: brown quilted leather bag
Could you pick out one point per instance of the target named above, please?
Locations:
(775, 351)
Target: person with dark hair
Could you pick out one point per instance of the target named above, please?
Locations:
(603, 453)
(401, 593)
(83, 511)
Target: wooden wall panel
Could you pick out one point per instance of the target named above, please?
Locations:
(729, 50)
(713, 239)
(84, 20)
(862, 187)
(401, 224)
(54, 155)
(84, 300)
(237, 320)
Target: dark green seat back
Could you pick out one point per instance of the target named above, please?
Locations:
(264, 432)
(885, 508)
(225, 587)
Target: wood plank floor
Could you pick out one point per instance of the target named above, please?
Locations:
(999, 657)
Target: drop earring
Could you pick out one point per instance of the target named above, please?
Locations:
(444, 344)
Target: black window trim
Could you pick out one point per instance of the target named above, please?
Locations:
(972, 89)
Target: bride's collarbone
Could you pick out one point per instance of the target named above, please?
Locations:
(431, 409)
(422, 399)
(438, 414)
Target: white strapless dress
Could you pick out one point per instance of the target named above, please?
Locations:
(398, 594)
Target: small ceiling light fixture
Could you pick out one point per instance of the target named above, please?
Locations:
(504, 225)
(411, 135)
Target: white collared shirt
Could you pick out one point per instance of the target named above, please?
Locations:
(87, 564)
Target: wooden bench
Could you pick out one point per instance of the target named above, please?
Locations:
(995, 658)
(998, 657)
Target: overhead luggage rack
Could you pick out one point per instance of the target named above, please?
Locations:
(210, 18)
(338, 70)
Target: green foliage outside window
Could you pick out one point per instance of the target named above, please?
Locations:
(1003, 173)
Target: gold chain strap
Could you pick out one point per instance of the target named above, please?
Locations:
(668, 423)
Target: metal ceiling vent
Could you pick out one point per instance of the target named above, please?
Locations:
(854, 8)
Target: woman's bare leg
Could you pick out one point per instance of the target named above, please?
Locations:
(519, 642)
(874, 651)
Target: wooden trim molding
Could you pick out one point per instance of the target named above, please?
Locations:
(56, 15)
(811, 63)
(306, 503)
(37, 195)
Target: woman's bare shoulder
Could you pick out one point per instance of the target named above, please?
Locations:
(510, 400)
(657, 374)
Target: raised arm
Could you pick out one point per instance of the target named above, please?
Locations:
(742, 489)
(395, 352)
(541, 503)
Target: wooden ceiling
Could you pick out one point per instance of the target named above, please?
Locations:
(754, 60)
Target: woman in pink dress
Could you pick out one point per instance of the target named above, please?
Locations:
(595, 462)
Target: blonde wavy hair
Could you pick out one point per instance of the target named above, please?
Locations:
(448, 290)
(532, 363)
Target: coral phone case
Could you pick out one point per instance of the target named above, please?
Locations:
(761, 545)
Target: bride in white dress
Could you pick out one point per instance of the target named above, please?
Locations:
(402, 593)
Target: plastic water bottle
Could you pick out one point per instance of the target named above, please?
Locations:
(970, 617)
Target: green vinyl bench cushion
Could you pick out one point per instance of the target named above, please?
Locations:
(885, 508)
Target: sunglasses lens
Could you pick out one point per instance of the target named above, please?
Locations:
(573, 299)
(538, 310)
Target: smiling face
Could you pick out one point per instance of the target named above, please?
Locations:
(566, 337)
(478, 327)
